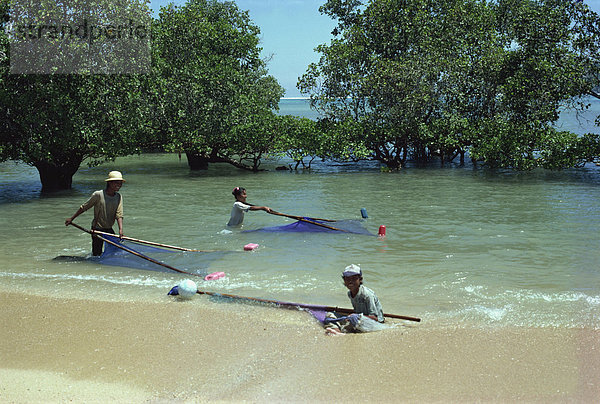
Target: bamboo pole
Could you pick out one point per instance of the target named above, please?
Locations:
(94, 233)
(308, 221)
(153, 243)
(301, 217)
(305, 306)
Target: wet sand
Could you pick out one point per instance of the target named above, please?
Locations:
(77, 350)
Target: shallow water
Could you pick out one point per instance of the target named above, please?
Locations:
(463, 245)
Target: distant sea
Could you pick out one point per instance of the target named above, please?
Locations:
(580, 123)
(297, 107)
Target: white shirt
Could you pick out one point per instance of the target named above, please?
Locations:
(237, 213)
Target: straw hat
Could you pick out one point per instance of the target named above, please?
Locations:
(114, 176)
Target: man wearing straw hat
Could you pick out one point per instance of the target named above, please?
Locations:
(108, 207)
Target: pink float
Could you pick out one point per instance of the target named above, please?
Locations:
(250, 246)
(214, 276)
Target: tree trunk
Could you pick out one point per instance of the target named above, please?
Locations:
(56, 177)
(393, 164)
(196, 161)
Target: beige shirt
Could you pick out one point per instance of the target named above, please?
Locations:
(107, 209)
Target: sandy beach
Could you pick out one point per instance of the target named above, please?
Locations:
(77, 350)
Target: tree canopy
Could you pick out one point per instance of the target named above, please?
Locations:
(446, 77)
(212, 83)
(76, 94)
(72, 108)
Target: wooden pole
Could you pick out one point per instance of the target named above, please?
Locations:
(301, 217)
(308, 221)
(305, 306)
(94, 233)
(293, 216)
(153, 243)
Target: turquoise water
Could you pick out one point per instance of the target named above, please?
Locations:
(463, 246)
(297, 107)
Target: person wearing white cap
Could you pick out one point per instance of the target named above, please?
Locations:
(108, 207)
(364, 300)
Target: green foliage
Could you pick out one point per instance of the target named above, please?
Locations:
(566, 149)
(399, 80)
(442, 77)
(340, 139)
(211, 82)
(207, 92)
(299, 139)
(55, 121)
(253, 138)
(68, 118)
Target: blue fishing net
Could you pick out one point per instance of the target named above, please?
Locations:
(319, 226)
(192, 262)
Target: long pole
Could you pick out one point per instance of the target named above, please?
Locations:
(308, 221)
(301, 217)
(152, 243)
(94, 233)
(305, 306)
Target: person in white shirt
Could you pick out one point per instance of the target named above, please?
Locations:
(240, 206)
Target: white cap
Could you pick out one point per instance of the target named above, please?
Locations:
(352, 270)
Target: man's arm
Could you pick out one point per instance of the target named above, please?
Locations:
(88, 204)
(120, 223)
(69, 220)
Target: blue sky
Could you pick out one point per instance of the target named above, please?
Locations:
(291, 29)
